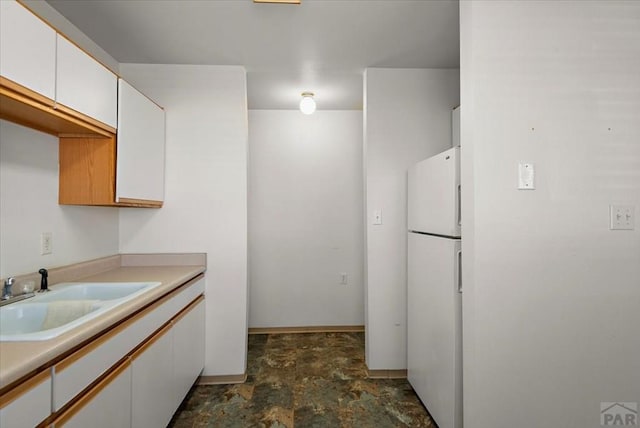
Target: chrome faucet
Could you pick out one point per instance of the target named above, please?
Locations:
(6, 290)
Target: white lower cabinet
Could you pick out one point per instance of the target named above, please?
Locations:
(134, 376)
(152, 380)
(165, 368)
(106, 405)
(188, 349)
(28, 406)
(161, 368)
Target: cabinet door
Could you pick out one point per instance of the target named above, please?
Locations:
(152, 380)
(84, 84)
(28, 404)
(27, 49)
(106, 405)
(188, 348)
(140, 169)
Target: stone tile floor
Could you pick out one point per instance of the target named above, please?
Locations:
(305, 381)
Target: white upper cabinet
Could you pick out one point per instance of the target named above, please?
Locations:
(27, 49)
(140, 160)
(84, 84)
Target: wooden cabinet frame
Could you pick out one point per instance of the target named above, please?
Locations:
(28, 108)
(88, 173)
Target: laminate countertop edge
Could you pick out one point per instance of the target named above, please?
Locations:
(19, 359)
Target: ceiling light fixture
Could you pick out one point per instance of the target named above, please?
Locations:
(278, 1)
(307, 103)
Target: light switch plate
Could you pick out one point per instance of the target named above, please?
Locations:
(526, 176)
(622, 217)
(377, 217)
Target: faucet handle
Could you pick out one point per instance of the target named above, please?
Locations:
(44, 284)
(6, 290)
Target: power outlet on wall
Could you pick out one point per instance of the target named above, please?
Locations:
(46, 243)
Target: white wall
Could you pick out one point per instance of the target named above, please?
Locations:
(408, 118)
(551, 295)
(305, 218)
(205, 206)
(29, 206)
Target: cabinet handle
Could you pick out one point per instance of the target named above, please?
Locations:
(459, 205)
(460, 271)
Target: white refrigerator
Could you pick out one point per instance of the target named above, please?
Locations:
(434, 299)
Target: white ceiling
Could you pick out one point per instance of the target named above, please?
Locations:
(321, 46)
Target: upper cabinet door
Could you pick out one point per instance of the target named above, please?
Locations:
(27, 49)
(140, 161)
(85, 85)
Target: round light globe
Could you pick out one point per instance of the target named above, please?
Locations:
(307, 104)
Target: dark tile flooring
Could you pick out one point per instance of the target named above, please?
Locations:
(305, 380)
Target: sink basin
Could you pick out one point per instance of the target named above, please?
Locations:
(66, 306)
(93, 291)
(34, 317)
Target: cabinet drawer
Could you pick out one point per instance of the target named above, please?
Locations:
(27, 404)
(77, 371)
(85, 85)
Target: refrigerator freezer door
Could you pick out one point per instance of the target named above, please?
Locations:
(433, 194)
(434, 315)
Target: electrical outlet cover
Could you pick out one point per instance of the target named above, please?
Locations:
(46, 243)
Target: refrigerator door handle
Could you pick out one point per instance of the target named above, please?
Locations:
(459, 260)
(459, 205)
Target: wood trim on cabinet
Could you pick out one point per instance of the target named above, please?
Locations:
(72, 410)
(23, 388)
(124, 324)
(28, 108)
(184, 312)
(151, 340)
(26, 92)
(94, 122)
(140, 203)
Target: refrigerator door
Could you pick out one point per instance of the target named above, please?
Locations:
(455, 126)
(434, 332)
(434, 194)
